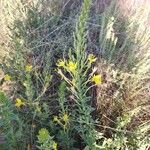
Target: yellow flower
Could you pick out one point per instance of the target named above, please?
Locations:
(28, 68)
(7, 77)
(97, 79)
(72, 66)
(60, 63)
(19, 103)
(66, 118)
(92, 58)
(54, 146)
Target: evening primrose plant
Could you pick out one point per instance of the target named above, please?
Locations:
(29, 86)
(62, 122)
(78, 67)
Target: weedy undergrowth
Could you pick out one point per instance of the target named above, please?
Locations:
(51, 102)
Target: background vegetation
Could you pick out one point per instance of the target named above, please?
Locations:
(74, 75)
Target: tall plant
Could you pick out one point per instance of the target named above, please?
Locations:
(78, 67)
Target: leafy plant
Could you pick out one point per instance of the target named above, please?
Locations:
(73, 76)
(11, 125)
(45, 140)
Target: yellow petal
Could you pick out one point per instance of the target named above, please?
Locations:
(97, 79)
(7, 77)
(71, 66)
(66, 118)
(92, 58)
(60, 63)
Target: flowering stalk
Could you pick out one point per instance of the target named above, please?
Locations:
(78, 67)
(86, 123)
